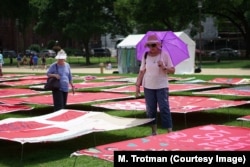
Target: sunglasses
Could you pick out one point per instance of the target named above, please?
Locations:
(151, 45)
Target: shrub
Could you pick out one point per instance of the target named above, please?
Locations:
(35, 47)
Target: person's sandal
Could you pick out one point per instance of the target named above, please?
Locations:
(153, 134)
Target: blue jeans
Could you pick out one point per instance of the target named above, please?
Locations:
(160, 97)
(59, 99)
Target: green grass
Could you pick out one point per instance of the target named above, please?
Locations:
(74, 60)
(227, 64)
(56, 154)
(95, 62)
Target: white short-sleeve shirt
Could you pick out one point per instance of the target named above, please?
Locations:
(154, 77)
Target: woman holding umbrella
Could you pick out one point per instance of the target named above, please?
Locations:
(153, 76)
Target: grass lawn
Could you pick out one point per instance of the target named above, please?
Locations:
(227, 64)
(95, 61)
(57, 154)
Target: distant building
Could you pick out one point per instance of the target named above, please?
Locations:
(214, 36)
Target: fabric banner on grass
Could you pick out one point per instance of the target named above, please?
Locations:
(235, 91)
(62, 125)
(78, 97)
(6, 108)
(11, 101)
(129, 105)
(123, 89)
(244, 118)
(9, 92)
(172, 88)
(207, 138)
(170, 79)
(110, 77)
(8, 79)
(23, 82)
(14, 75)
(178, 104)
(34, 77)
(85, 85)
(230, 81)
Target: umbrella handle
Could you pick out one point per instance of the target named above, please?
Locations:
(163, 63)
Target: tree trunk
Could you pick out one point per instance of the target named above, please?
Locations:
(86, 44)
(247, 41)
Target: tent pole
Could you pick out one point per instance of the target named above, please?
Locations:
(75, 161)
(185, 120)
(21, 159)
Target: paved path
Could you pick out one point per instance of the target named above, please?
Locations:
(84, 70)
(9, 69)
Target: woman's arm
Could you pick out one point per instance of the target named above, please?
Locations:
(52, 72)
(140, 77)
(71, 80)
(168, 70)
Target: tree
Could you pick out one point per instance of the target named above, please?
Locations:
(124, 10)
(235, 11)
(18, 11)
(91, 18)
(179, 14)
(75, 19)
(163, 15)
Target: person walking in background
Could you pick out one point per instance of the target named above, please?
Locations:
(153, 76)
(1, 63)
(35, 61)
(62, 71)
(43, 62)
(19, 60)
(109, 66)
(24, 60)
(31, 61)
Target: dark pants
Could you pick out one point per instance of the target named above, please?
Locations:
(59, 99)
(160, 97)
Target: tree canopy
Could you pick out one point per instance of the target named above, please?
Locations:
(235, 11)
(75, 19)
(82, 20)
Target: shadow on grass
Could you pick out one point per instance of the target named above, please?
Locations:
(39, 154)
(225, 63)
(16, 154)
(246, 66)
(222, 116)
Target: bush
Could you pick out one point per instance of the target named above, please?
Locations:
(51, 44)
(73, 52)
(35, 47)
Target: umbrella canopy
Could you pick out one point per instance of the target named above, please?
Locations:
(171, 44)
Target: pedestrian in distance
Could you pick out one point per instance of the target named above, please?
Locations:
(19, 60)
(31, 61)
(1, 63)
(43, 62)
(35, 60)
(24, 60)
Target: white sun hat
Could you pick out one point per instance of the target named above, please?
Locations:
(61, 55)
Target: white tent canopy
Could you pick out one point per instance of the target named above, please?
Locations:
(130, 41)
(128, 63)
(126, 52)
(188, 65)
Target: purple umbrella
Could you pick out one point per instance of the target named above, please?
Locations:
(173, 45)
